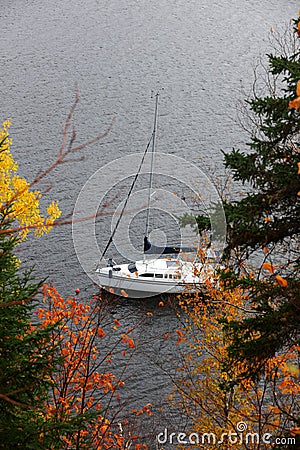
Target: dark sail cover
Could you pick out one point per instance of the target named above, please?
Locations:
(157, 250)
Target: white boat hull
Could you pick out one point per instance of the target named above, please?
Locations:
(140, 288)
(151, 278)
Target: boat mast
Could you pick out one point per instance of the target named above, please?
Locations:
(152, 163)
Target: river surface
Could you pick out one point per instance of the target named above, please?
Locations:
(199, 54)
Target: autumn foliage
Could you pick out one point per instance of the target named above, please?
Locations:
(240, 339)
(84, 385)
(57, 386)
(19, 202)
(242, 364)
(217, 394)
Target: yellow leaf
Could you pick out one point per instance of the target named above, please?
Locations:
(16, 190)
(293, 369)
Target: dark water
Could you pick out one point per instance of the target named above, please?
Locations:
(201, 53)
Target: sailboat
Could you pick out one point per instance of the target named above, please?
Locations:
(166, 273)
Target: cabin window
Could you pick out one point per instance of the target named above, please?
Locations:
(170, 276)
(132, 268)
(147, 275)
(166, 275)
(158, 275)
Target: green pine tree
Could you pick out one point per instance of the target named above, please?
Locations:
(268, 217)
(32, 363)
(264, 224)
(25, 359)
(28, 358)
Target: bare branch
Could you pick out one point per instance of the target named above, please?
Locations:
(64, 151)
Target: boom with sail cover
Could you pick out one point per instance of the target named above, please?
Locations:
(158, 250)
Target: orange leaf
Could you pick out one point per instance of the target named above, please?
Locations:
(298, 168)
(281, 281)
(147, 409)
(268, 266)
(131, 343)
(298, 88)
(64, 351)
(180, 333)
(101, 333)
(120, 440)
(117, 323)
(295, 103)
(295, 431)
